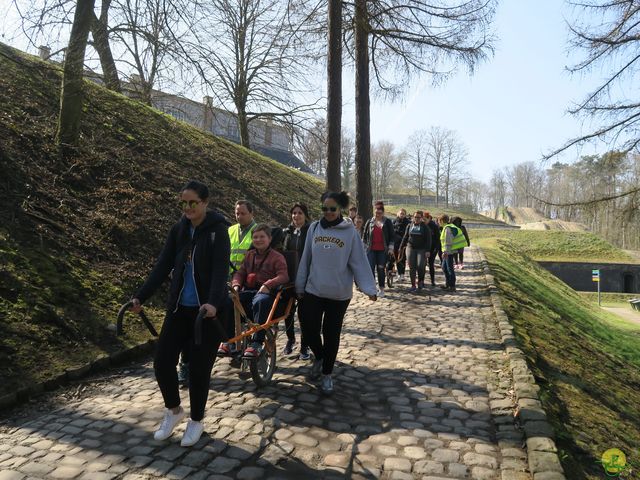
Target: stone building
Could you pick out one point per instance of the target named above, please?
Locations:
(266, 138)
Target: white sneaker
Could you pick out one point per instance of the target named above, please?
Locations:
(168, 423)
(381, 293)
(401, 278)
(192, 433)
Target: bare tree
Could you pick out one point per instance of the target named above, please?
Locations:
(254, 63)
(402, 38)
(100, 33)
(72, 94)
(334, 94)
(311, 145)
(455, 157)
(498, 189)
(347, 161)
(385, 162)
(418, 161)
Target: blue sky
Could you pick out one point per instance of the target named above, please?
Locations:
(513, 109)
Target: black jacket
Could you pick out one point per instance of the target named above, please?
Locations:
(387, 232)
(295, 242)
(210, 249)
(435, 236)
(421, 240)
(400, 228)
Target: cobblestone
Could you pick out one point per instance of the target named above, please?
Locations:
(421, 384)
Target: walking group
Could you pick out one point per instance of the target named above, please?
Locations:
(417, 240)
(203, 254)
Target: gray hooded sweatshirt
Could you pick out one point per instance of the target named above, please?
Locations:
(332, 257)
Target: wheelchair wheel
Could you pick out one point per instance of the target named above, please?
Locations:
(262, 368)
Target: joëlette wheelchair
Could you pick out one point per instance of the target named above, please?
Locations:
(263, 366)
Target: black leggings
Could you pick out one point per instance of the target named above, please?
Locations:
(176, 335)
(323, 314)
(432, 267)
(290, 329)
(458, 257)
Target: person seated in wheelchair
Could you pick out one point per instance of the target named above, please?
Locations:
(262, 271)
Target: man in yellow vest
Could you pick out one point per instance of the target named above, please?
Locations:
(240, 235)
(452, 239)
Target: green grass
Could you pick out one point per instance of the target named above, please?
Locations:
(79, 234)
(436, 211)
(560, 246)
(587, 366)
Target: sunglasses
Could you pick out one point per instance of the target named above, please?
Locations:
(329, 209)
(191, 204)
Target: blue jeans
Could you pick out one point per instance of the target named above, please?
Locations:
(377, 261)
(449, 271)
(259, 304)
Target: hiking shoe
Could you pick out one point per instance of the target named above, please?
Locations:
(326, 385)
(253, 350)
(289, 347)
(192, 433)
(224, 350)
(168, 423)
(183, 374)
(316, 369)
(304, 354)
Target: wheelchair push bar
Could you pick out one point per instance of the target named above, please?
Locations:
(143, 317)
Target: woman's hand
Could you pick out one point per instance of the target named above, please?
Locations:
(137, 306)
(264, 289)
(236, 288)
(373, 298)
(210, 310)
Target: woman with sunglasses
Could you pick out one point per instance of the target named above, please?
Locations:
(197, 252)
(333, 256)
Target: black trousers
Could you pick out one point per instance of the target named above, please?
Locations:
(290, 328)
(458, 257)
(401, 265)
(432, 267)
(177, 335)
(326, 316)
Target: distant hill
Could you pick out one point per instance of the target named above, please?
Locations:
(531, 219)
(76, 236)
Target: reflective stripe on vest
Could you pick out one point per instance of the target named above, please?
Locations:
(239, 248)
(458, 240)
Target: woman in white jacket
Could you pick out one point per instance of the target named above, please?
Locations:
(333, 257)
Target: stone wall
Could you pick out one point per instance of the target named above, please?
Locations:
(614, 277)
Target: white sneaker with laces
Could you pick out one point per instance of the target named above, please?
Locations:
(381, 293)
(192, 433)
(168, 423)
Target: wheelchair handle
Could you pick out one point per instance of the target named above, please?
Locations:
(197, 328)
(143, 317)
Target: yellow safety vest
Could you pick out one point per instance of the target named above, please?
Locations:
(458, 241)
(239, 247)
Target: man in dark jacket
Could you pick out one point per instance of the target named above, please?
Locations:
(436, 248)
(399, 228)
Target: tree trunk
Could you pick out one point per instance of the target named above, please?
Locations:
(243, 128)
(101, 43)
(72, 80)
(334, 95)
(363, 144)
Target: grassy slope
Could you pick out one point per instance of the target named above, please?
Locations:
(436, 211)
(560, 246)
(77, 235)
(587, 366)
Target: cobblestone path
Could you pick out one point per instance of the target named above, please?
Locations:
(422, 392)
